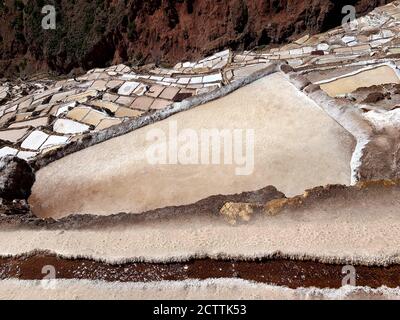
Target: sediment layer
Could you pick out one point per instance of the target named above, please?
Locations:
(281, 272)
(341, 224)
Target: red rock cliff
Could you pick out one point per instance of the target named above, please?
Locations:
(92, 33)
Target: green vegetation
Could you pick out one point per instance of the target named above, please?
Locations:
(132, 30)
(19, 5)
(83, 29)
(2, 6)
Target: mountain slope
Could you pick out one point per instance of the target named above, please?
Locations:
(94, 33)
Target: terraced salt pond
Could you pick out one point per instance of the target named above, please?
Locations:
(296, 146)
(347, 84)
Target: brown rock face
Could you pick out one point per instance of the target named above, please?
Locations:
(93, 33)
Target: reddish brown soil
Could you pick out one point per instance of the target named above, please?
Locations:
(292, 274)
(94, 33)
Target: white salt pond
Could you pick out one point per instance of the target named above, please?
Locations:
(347, 84)
(276, 136)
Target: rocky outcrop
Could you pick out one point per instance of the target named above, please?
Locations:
(381, 156)
(18, 208)
(95, 33)
(234, 212)
(16, 178)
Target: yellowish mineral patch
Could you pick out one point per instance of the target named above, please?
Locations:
(234, 212)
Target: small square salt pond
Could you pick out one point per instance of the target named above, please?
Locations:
(33, 123)
(127, 112)
(78, 113)
(66, 126)
(156, 78)
(171, 80)
(65, 107)
(23, 116)
(196, 80)
(105, 104)
(155, 91)
(93, 76)
(106, 123)
(94, 117)
(110, 97)
(7, 151)
(54, 141)
(81, 97)
(120, 68)
(160, 104)
(224, 53)
(387, 33)
(127, 77)
(220, 64)
(188, 65)
(128, 87)
(142, 103)
(61, 96)
(323, 47)
(126, 101)
(35, 140)
(348, 39)
(12, 135)
(25, 104)
(99, 85)
(12, 108)
(114, 83)
(296, 52)
(84, 85)
(213, 78)
(141, 89)
(169, 93)
(26, 155)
